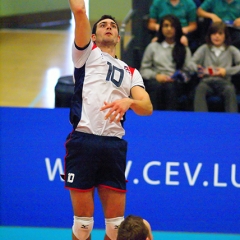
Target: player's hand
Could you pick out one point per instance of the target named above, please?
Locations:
(116, 109)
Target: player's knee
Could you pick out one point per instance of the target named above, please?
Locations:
(112, 225)
(82, 227)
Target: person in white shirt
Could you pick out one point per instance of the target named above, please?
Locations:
(105, 89)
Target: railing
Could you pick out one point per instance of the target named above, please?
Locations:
(125, 21)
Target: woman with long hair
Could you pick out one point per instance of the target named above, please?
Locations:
(163, 65)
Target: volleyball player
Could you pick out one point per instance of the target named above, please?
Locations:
(105, 89)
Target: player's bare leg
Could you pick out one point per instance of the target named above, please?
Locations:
(74, 238)
(113, 203)
(83, 205)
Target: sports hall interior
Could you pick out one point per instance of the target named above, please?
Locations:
(35, 51)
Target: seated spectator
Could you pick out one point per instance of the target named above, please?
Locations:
(227, 11)
(134, 228)
(163, 64)
(216, 61)
(185, 10)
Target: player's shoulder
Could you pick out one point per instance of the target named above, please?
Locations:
(128, 69)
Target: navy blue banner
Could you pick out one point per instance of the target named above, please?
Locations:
(183, 170)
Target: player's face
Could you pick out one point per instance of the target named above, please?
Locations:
(106, 32)
(218, 38)
(168, 30)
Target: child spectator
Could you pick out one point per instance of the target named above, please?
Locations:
(227, 11)
(216, 61)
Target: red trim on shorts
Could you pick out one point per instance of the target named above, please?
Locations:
(80, 190)
(112, 188)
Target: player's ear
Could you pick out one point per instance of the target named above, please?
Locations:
(93, 37)
(119, 38)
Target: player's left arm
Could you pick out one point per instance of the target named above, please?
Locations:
(141, 103)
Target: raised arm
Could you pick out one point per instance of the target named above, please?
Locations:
(82, 25)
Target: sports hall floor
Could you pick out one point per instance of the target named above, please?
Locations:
(31, 61)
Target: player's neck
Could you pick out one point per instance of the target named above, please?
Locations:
(111, 50)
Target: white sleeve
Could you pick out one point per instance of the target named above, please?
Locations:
(80, 55)
(137, 79)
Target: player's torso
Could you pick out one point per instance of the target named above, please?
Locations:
(105, 79)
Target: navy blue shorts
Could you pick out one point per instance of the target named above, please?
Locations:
(93, 161)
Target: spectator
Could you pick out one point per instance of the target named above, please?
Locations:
(185, 10)
(216, 61)
(134, 228)
(163, 63)
(227, 11)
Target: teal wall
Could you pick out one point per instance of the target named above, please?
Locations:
(97, 8)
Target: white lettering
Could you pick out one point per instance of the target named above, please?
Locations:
(128, 167)
(169, 173)
(70, 177)
(233, 176)
(145, 172)
(192, 180)
(57, 167)
(216, 174)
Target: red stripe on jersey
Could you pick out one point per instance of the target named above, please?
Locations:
(94, 46)
(131, 70)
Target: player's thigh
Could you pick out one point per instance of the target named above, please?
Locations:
(113, 202)
(82, 203)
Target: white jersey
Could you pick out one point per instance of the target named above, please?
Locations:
(99, 78)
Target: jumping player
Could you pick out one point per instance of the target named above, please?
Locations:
(105, 88)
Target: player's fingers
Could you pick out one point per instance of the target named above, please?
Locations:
(110, 112)
(106, 106)
(119, 117)
(114, 116)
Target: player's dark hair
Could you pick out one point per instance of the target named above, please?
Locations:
(102, 18)
(179, 50)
